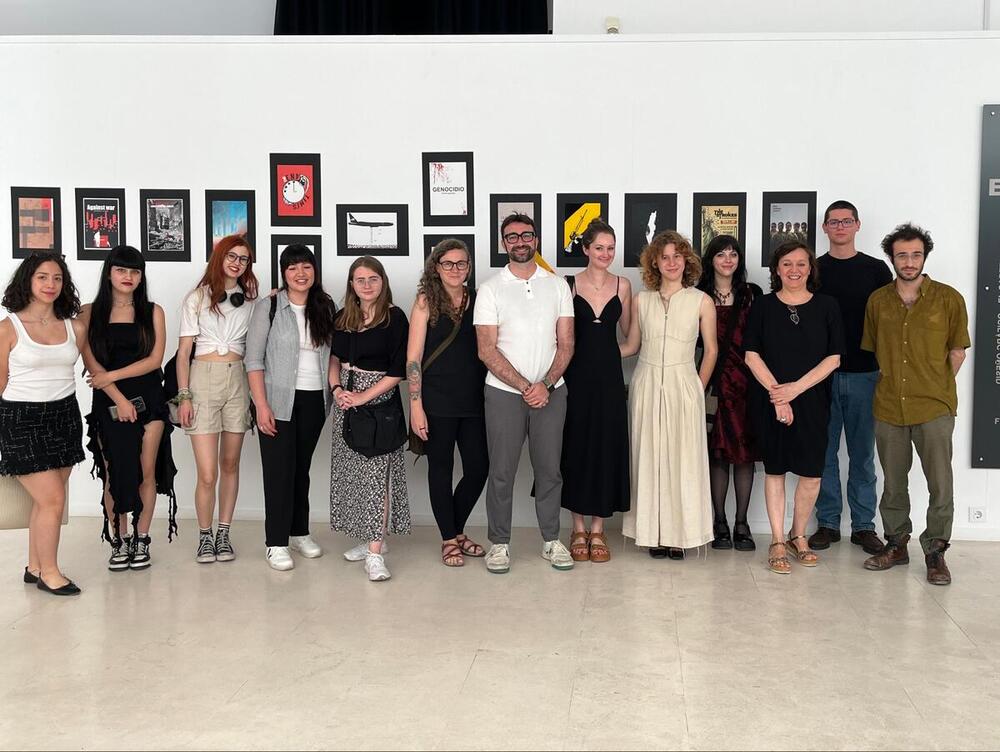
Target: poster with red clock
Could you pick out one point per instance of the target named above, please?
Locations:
(295, 190)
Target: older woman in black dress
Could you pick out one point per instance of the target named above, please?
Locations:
(595, 455)
(793, 342)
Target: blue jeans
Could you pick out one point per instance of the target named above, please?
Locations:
(850, 412)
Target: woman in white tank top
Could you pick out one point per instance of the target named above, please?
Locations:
(41, 433)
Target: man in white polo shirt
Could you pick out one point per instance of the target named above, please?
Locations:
(524, 325)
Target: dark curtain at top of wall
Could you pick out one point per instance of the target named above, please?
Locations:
(411, 17)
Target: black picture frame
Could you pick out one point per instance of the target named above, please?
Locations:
(432, 239)
(100, 222)
(282, 240)
(246, 197)
(27, 221)
(430, 158)
(701, 234)
(646, 215)
(157, 244)
(354, 219)
(502, 205)
(284, 170)
(570, 224)
(800, 205)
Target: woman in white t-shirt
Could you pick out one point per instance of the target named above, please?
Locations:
(213, 394)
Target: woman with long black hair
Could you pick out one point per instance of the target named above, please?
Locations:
(731, 443)
(128, 425)
(288, 364)
(40, 427)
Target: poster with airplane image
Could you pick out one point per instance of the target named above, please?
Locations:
(502, 205)
(295, 190)
(448, 188)
(574, 211)
(280, 242)
(373, 230)
(470, 242)
(646, 215)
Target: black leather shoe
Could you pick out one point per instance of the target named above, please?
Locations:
(30, 578)
(68, 589)
(868, 540)
(742, 539)
(658, 552)
(823, 537)
(723, 540)
(677, 554)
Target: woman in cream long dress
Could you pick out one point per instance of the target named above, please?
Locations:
(671, 497)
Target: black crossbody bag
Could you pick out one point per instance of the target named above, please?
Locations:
(373, 430)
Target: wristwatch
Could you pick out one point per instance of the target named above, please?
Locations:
(548, 385)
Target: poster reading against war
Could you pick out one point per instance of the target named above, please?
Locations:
(101, 223)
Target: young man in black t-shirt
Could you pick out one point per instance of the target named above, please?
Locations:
(851, 277)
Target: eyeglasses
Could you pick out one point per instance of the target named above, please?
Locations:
(449, 265)
(835, 223)
(793, 314)
(512, 237)
(233, 258)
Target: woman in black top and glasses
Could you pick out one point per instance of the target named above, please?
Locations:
(793, 342)
(446, 402)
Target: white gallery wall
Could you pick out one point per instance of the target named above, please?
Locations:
(893, 124)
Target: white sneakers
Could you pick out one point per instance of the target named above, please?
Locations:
(360, 551)
(278, 557)
(498, 558)
(305, 545)
(375, 567)
(557, 555)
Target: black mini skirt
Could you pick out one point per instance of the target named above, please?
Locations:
(38, 436)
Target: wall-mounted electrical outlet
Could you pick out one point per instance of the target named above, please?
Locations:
(977, 514)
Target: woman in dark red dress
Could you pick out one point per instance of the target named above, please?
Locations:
(730, 439)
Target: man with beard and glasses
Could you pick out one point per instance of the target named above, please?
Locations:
(919, 331)
(524, 327)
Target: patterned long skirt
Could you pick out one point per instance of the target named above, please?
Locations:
(359, 485)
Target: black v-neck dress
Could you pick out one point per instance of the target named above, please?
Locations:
(595, 454)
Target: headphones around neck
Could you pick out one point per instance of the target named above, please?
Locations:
(236, 299)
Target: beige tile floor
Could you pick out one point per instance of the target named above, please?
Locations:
(709, 653)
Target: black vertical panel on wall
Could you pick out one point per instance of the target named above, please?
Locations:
(986, 342)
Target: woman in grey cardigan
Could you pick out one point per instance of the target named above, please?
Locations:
(287, 362)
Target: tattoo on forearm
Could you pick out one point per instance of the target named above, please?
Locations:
(500, 367)
(413, 379)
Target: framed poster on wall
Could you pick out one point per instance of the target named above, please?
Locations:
(646, 214)
(100, 222)
(295, 190)
(373, 230)
(166, 224)
(574, 211)
(449, 199)
(718, 214)
(229, 213)
(502, 205)
(470, 241)
(280, 242)
(36, 220)
(787, 215)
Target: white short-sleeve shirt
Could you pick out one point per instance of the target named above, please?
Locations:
(525, 312)
(222, 332)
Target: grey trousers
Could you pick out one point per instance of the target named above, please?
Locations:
(509, 421)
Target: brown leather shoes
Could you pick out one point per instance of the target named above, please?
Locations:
(823, 537)
(868, 540)
(937, 570)
(894, 553)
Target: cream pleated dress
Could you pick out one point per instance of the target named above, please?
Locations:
(671, 499)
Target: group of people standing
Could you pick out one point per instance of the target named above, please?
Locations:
(726, 376)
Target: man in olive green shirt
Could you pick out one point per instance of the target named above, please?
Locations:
(919, 331)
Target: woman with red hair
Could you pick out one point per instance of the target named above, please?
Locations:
(213, 394)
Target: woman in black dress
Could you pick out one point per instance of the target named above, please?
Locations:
(446, 380)
(793, 342)
(128, 426)
(595, 455)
